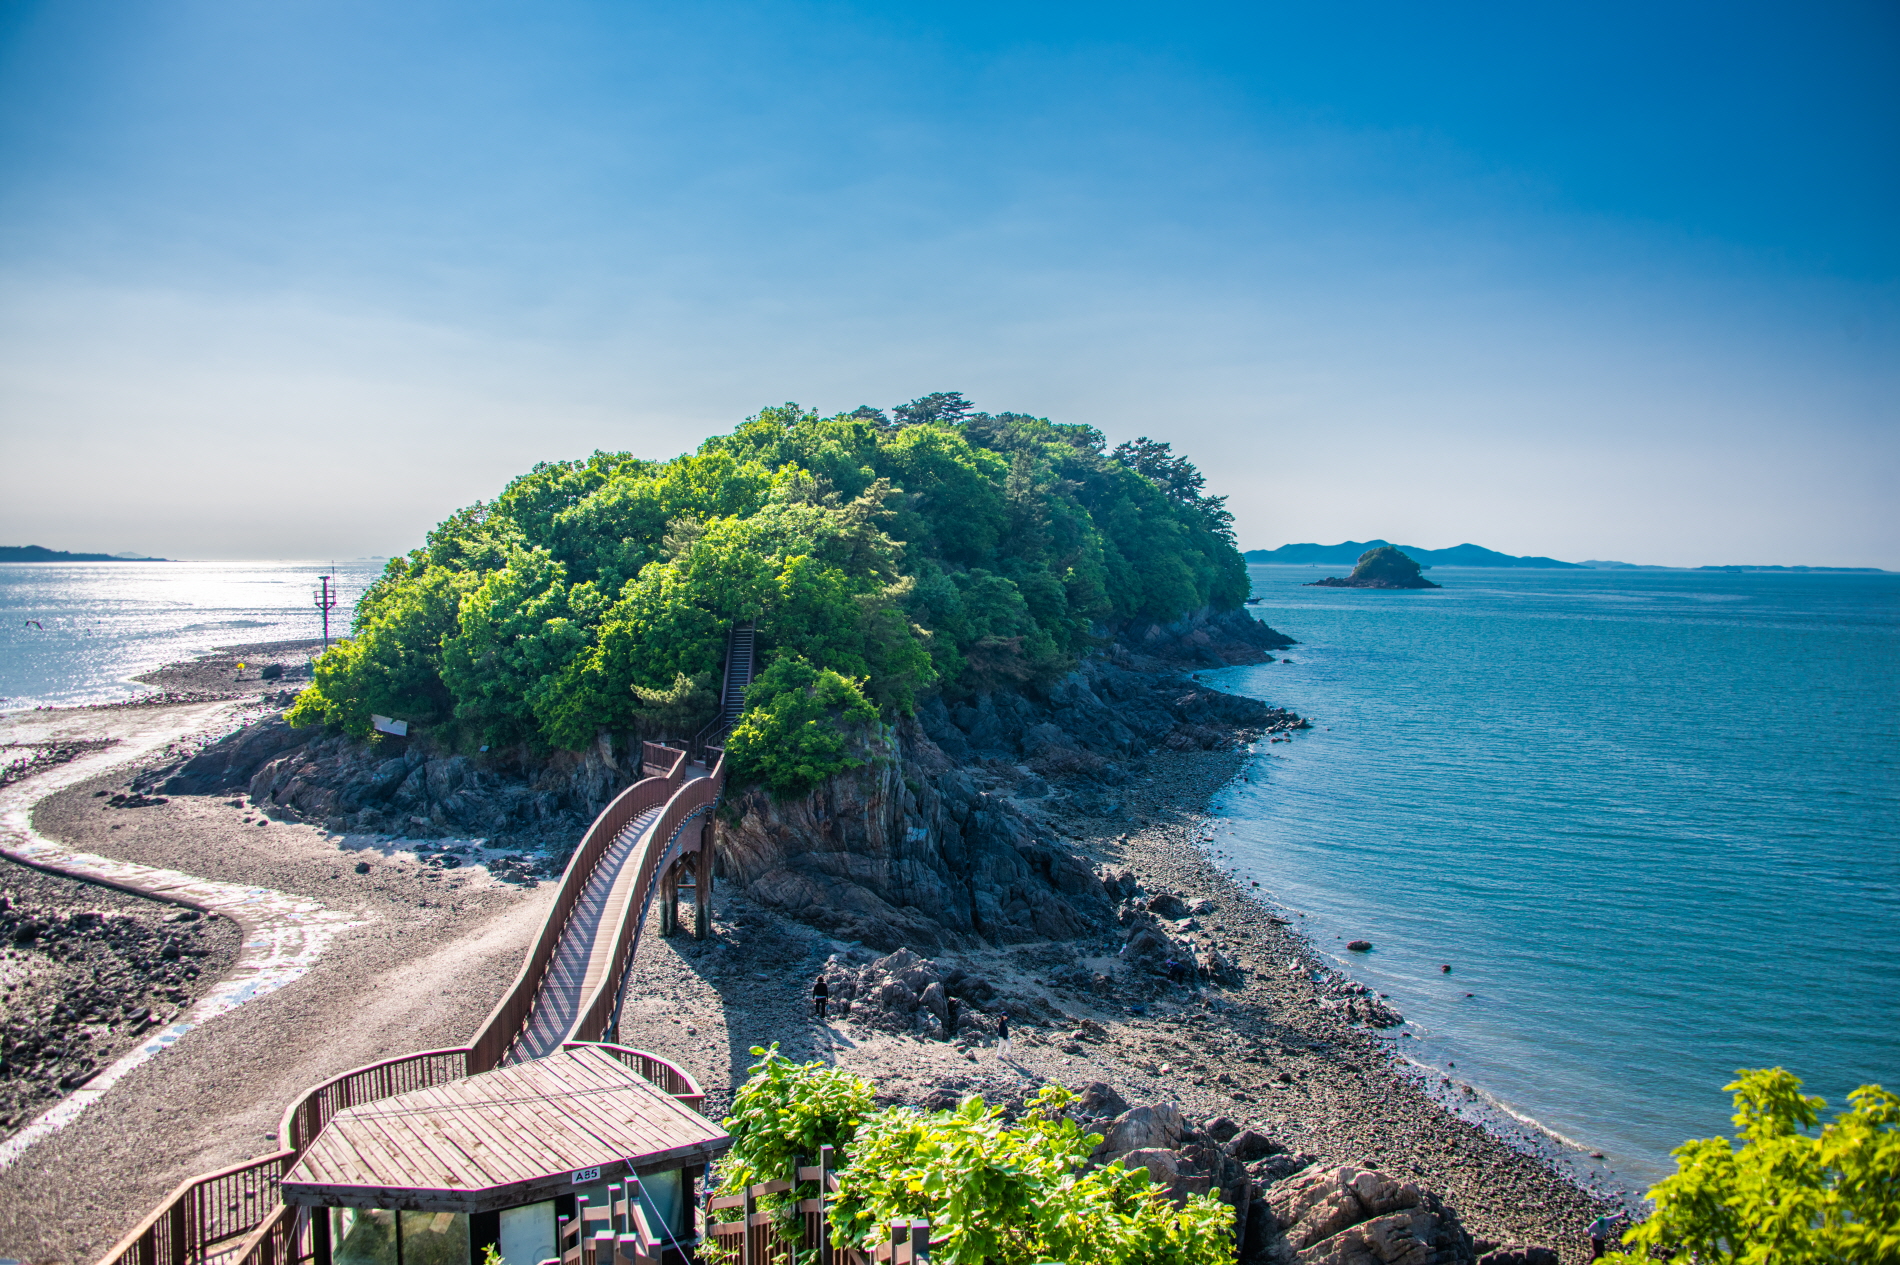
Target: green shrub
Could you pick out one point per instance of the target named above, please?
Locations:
(1785, 1196)
(994, 1194)
(794, 733)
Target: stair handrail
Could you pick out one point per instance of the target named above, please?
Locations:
(599, 1012)
(509, 1018)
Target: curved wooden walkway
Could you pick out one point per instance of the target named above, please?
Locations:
(585, 956)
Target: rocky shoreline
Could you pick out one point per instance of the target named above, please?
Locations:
(86, 971)
(1168, 979)
(1260, 1030)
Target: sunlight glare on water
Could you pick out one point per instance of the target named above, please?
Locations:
(76, 633)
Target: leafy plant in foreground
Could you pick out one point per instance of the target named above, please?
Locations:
(994, 1193)
(1784, 1197)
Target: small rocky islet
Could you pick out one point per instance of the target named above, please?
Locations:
(1381, 568)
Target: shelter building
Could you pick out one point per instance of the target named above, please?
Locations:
(575, 1157)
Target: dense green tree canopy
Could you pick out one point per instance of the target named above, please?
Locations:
(946, 549)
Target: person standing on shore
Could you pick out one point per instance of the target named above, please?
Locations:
(820, 995)
(1601, 1231)
(1002, 1034)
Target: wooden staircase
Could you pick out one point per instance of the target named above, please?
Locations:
(741, 642)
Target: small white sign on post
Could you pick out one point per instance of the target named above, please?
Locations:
(398, 727)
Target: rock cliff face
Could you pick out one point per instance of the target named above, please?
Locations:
(932, 842)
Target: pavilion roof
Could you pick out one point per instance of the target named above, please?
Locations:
(515, 1135)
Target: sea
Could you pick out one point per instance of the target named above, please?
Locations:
(1649, 820)
(77, 633)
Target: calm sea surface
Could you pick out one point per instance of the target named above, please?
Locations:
(1650, 819)
(101, 623)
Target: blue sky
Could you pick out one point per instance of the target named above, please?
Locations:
(298, 279)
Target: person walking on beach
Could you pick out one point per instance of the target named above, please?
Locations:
(1002, 1035)
(820, 995)
(1601, 1231)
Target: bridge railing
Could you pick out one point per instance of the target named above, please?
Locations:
(692, 801)
(236, 1216)
(307, 1116)
(670, 1077)
(509, 1019)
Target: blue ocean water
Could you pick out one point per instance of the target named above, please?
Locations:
(1650, 819)
(76, 633)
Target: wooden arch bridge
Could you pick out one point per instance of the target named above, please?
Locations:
(654, 841)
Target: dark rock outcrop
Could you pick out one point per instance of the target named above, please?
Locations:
(1355, 1215)
(933, 841)
(925, 843)
(1207, 638)
(1382, 568)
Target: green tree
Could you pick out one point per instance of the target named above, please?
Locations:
(1785, 1196)
(949, 549)
(795, 730)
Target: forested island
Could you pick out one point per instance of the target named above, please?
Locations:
(938, 551)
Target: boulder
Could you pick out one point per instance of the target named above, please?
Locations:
(1221, 1129)
(1098, 1099)
(1354, 1215)
(1520, 1254)
(1251, 1145)
(1164, 1167)
(1398, 1238)
(1167, 905)
(1157, 1127)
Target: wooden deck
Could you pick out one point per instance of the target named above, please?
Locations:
(518, 1134)
(557, 1002)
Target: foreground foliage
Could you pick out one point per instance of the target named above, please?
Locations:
(944, 549)
(994, 1193)
(1785, 1196)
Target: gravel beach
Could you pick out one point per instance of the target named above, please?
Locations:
(1277, 1054)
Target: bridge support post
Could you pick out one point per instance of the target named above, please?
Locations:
(703, 884)
(670, 900)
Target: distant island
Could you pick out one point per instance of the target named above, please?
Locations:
(38, 553)
(1349, 552)
(1381, 568)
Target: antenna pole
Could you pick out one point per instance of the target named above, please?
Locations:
(325, 596)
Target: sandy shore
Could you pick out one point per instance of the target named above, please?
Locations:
(426, 957)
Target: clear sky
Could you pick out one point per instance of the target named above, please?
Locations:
(1616, 280)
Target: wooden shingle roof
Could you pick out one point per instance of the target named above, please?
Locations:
(515, 1135)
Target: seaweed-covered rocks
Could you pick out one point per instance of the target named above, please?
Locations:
(83, 983)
